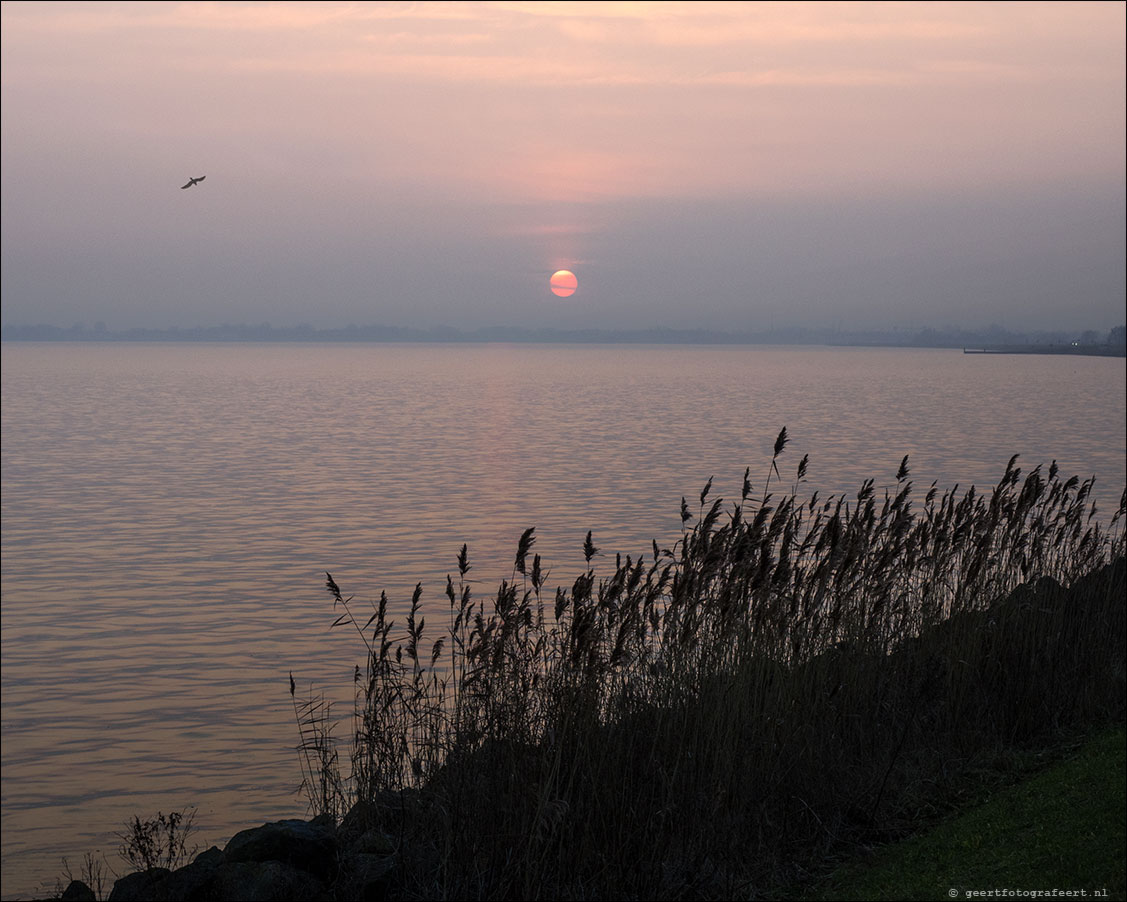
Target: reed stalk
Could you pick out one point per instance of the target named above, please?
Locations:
(702, 720)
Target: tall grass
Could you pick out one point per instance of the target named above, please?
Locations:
(708, 718)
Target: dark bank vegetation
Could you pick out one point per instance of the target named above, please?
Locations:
(712, 719)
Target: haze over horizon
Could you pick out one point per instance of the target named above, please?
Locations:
(708, 165)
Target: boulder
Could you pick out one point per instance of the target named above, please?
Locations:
(365, 877)
(142, 886)
(77, 891)
(264, 881)
(386, 813)
(306, 846)
(192, 881)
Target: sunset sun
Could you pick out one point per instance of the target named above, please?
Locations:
(563, 283)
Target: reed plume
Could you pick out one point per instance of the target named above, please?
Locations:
(704, 719)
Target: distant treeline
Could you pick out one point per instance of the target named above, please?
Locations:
(912, 338)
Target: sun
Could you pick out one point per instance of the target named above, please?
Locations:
(563, 283)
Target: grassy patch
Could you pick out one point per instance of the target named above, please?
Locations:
(1062, 829)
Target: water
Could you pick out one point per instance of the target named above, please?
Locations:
(169, 512)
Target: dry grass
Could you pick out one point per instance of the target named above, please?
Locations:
(707, 719)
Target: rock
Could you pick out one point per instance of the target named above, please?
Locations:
(373, 842)
(264, 881)
(192, 881)
(213, 877)
(214, 856)
(386, 813)
(363, 816)
(142, 886)
(77, 891)
(306, 846)
(365, 877)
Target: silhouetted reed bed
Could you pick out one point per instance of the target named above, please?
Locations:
(708, 719)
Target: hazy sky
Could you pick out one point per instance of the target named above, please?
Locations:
(723, 165)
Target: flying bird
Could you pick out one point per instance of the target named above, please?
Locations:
(192, 181)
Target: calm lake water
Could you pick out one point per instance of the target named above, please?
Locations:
(169, 512)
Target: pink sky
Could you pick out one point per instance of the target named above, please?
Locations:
(563, 129)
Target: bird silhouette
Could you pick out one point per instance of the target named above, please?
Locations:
(192, 181)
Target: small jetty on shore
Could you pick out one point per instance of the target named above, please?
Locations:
(1073, 349)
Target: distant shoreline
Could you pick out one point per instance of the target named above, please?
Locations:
(969, 342)
(1068, 350)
